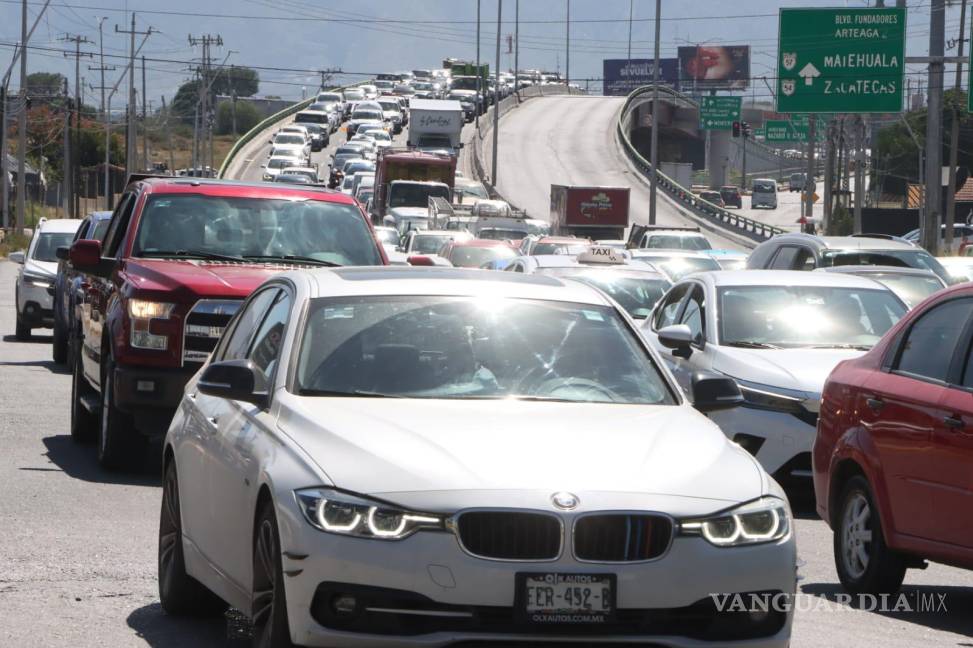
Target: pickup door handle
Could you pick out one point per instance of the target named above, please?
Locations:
(954, 422)
(875, 403)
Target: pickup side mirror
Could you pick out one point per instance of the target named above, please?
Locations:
(420, 260)
(62, 252)
(239, 380)
(85, 256)
(677, 337)
(17, 257)
(713, 392)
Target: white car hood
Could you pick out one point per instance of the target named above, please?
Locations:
(800, 369)
(375, 446)
(41, 268)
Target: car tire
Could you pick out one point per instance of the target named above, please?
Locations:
(83, 423)
(22, 331)
(269, 613)
(179, 593)
(864, 562)
(116, 428)
(59, 347)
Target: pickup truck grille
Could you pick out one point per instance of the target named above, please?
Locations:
(204, 326)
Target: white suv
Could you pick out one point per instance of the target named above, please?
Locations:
(35, 281)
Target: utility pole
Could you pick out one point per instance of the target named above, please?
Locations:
(934, 128)
(73, 162)
(479, 90)
(205, 112)
(517, 48)
(145, 123)
(828, 178)
(172, 159)
(810, 184)
(954, 136)
(496, 96)
(631, 9)
(743, 179)
(567, 49)
(22, 127)
(131, 145)
(859, 172)
(67, 182)
(654, 161)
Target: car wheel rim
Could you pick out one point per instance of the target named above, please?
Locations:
(264, 584)
(856, 536)
(170, 532)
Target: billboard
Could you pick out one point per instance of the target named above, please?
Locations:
(622, 76)
(714, 67)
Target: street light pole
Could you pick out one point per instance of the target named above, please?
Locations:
(631, 8)
(496, 95)
(22, 126)
(934, 127)
(954, 136)
(653, 186)
(479, 89)
(567, 50)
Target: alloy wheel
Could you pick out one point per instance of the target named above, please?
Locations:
(856, 535)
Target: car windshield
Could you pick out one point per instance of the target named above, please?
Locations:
(387, 236)
(195, 225)
(732, 264)
(49, 242)
(902, 258)
(377, 134)
(475, 257)
(764, 187)
(676, 242)
(474, 348)
(560, 248)
(911, 289)
(279, 163)
(430, 243)
(500, 234)
(367, 114)
(289, 139)
(100, 228)
(293, 178)
(352, 166)
(354, 95)
(326, 97)
(805, 316)
(474, 189)
(412, 195)
(678, 267)
(634, 291)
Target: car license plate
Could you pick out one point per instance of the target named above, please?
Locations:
(566, 598)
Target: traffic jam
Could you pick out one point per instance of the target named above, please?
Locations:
(392, 409)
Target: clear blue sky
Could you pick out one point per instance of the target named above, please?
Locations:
(316, 41)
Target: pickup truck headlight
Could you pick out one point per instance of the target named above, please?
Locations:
(763, 520)
(142, 312)
(350, 515)
(40, 281)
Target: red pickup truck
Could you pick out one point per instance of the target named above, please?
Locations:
(178, 259)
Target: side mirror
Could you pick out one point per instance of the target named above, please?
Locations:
(85, 255)
(62, 252)
(712, 392)
(420, 260)
(239, 380)
(17, 257)
(677, 337)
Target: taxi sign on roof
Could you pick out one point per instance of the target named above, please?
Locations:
(602, 255)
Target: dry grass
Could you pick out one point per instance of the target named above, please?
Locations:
(182, 153)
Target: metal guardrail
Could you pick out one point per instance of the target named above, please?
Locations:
(685, 197)
(249, 136)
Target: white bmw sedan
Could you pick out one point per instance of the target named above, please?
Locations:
(779, 334)
(425, 456)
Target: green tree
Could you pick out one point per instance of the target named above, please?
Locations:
(245, 81)
(45, 86)
(246, 117)
(184, 103)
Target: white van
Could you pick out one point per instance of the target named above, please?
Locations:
(764, 193)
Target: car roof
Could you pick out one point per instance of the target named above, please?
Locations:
(232, 188)
(677, 232)
(361, 281)
(99, 215)
(561, 239)
(844, 242)
(638, 253)
(475, 242)
(877, 269)
(60, 225)
(722, 278)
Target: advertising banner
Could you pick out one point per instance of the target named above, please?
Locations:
(622, 76)
(714, 67)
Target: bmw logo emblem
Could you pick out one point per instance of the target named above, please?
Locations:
(565, 501)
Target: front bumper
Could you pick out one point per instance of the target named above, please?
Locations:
(35, 304)
(151, 395)
(427, 591)
(784, 440)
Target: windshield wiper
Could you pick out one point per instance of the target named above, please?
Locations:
(195, 253)
(856, 347)
(294, 257)
(746, 344)
(354, 393)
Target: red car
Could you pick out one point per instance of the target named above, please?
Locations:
(474, 253)
(893, 457)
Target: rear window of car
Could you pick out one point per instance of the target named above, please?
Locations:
(764, 187)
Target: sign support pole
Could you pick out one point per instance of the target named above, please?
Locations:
(954, 137)
(934, 129)
(859, 172)
(810, 184)
(828, 178)
(655, 117)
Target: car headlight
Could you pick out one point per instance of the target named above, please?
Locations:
(142, 312)
(350, 515)
(41, 281)
(774, 398)
(763, 520)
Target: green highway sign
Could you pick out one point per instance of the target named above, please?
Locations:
(780, 130)
(719, 113)
(841, 60)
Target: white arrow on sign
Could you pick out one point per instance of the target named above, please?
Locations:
(809, 73)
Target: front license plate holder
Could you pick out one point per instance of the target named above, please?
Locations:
(553, 598)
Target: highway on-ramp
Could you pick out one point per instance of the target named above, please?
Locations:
(571, 140)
